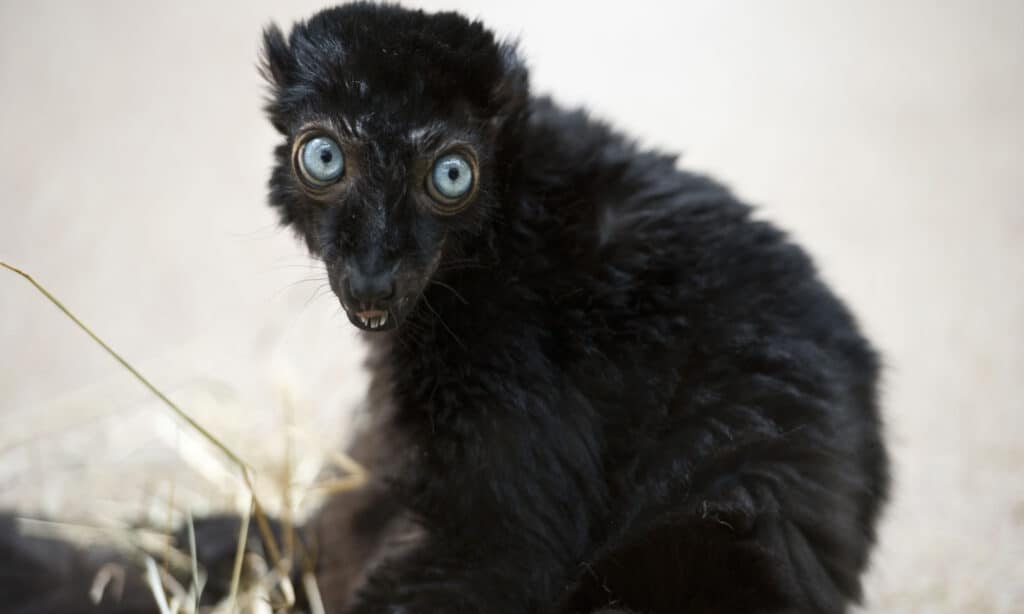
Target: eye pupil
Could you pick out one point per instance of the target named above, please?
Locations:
(321, 160)
(452, 177)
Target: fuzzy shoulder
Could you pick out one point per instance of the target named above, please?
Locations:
(598, 193)
(672, 246)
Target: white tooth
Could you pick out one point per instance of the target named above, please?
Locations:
(384, 319)
(364, 320)
(374, 322)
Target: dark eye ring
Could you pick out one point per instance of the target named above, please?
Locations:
(319, 160)
(452, 181)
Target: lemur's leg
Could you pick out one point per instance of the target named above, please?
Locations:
(688, 564)
(506, 489)
(766, 529)
(354, 532)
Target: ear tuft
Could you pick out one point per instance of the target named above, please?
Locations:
(512, 90)
(276, 59)
(277, 67)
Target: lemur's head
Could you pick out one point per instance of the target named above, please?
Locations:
(393, 122)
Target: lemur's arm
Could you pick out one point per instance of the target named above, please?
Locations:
(504, 491)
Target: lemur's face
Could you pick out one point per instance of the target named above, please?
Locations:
(391, 122)
(380, 198)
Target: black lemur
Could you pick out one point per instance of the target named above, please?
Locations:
(598, 382)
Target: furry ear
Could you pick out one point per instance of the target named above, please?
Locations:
(512, 91)
(277, 67)
(276, 59)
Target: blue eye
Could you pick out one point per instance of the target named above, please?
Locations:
(452, 177)
(321, 160)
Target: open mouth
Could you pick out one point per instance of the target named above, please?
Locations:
(372, 319)
(376, 317)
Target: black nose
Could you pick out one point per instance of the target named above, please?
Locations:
(371, 290)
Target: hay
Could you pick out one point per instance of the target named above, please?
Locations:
(267, 583)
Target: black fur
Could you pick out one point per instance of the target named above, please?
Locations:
(41, 575)
(611, 387)
(625, 390)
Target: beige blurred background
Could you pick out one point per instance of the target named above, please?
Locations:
(888, 136)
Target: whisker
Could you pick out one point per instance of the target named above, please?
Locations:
(453, 290)
(311, 265)
(462, 261)
(412, 333)
(443, 323)
(267, 231)
(280, 291)
(461, 267)
(318, 293)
